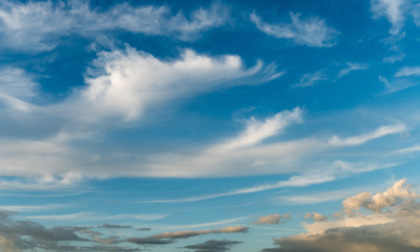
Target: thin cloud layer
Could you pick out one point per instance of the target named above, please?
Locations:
(303, 31)
(213, 246)
(37, 26)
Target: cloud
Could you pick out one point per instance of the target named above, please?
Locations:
(316, 216)
(111, 226)
(351, 67)
(357, 140)
(213, 246)
(310, 79)
(408, 71)
(310, 31)
(39, 25)
(170, 237)
(16, 88)
(393, 10)
(273, 219)
(18, 235)
(134, 82)
(188, 234)
(393, 196)
(397, 84)
(394, 58)
(393, 230)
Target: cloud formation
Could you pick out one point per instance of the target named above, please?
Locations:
(37, 25)
(394, 230)
(273, 219)
(316, 216)
(309, 31)
(170, 237)
(213, 246)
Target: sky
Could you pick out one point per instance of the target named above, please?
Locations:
(210, 126)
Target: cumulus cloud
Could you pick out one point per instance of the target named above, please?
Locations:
(309, 31)
(377, 202)
(393, 230)
(38, 25)
(213, 246)
(273, 219)
(316, 216)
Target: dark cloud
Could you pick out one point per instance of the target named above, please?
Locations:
(170, 237)
(149, 241)
(32, 236)
(143, 229)
(188, 234)
(213, 246)
(113, 226)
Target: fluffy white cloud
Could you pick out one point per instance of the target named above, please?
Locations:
(310, 31)
(391, 197)
(135, 81)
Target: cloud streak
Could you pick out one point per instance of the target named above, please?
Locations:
(310, 31)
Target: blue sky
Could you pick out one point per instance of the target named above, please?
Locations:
(209, 126)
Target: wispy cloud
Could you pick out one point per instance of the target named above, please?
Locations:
(91, 216)
(37, 26)
(310, 79)
(408, 71)
(393, 10)
(351, 67)
(380, 132)
(310, 31)
(397, 84)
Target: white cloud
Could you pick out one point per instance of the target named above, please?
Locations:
(310, 79)
(16, 88)
(397, 84)
(37, 26)
(351, 67)
(311, 31)
(134, 81)
(393, 58)
(393, 10)
(408, 71)
(357, 140)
